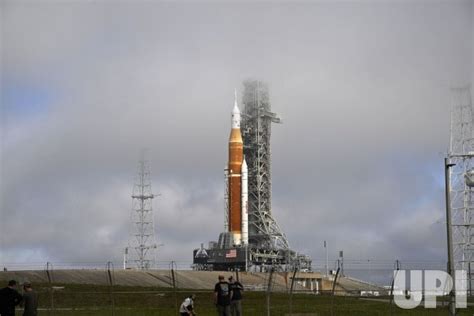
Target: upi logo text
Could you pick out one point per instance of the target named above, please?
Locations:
(436, 283)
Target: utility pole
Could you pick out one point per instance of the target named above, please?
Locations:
(452, 304)
(341, 257)
(327, 260)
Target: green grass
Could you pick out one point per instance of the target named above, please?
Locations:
(93, 300)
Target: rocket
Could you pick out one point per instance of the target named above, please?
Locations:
(237, 183)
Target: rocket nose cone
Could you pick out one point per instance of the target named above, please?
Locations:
(235, 114)
(235, 110)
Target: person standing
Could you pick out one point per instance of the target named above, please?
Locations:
(30, 300)
(187, 307)
(9, 298)
(222, 295)
(236, 299)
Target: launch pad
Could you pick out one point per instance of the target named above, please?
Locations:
(249, 258)
(252, 239)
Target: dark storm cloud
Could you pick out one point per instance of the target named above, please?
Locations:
(363, 88)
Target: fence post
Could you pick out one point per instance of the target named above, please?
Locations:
(291, 289)
(49, 274)
(110, 278)
(269, 289)
(397, 268)
(173, 266)
(334, 287)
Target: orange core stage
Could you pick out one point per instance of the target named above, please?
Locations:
(236, 148)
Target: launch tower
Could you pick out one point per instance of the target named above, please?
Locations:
(257, 118)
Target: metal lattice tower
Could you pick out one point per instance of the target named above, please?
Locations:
(461, 153)
(256, 132)
(142, 244)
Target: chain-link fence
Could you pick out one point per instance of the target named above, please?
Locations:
(352, 287)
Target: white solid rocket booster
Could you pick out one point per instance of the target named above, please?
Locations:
(245, 199)
(226, 199)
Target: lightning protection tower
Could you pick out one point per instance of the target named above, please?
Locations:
(142, 246)
(461, 153)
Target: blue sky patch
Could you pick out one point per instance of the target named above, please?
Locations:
(21, 99)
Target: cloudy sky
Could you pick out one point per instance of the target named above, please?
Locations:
(363, 88)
